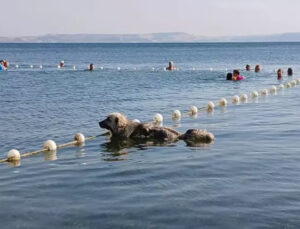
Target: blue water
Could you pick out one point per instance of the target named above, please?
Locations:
(249, 177)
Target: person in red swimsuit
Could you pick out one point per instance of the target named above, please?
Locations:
(237, 76)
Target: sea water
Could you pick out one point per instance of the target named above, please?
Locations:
(248, 178)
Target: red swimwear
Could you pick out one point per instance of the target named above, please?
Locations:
(239, 77)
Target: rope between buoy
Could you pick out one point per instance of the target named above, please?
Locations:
(58, 147)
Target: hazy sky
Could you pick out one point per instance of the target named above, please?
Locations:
(200, 17)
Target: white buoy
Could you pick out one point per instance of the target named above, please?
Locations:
(293, 83)
(244, 97)
(236, 99)
(17, 66)
(288, 85)
(158, 118)
(31, 66)
(210, 106)
(223, 102)
(79, 137)
(118, 68)
(264, 92)
(254, 94)
(50, 145)
(193, 110)
(273, 89)
(74, 67)
(41, 66)
(13, 155)
(176, 114)
(281, 86)
(153, 69)
(101, 68)
(58, 66)
(136, 120)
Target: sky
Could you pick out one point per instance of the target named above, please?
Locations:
(198, 17)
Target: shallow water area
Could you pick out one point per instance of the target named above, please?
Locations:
(248, 178)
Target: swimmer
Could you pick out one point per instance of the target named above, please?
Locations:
(171, 66)
(91, 68)
(62, 64)
(2, 65)
(279, 74)
(229, 76)
(6, 64)
(257, 68)
(237, 76)
(248, 68)
(290, 71)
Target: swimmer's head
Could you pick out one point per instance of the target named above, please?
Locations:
(290, 71)
(236, 72)
(229, 76)
(91, 67)
(6, 64)
(279, 74)
(257, 68)
(62, 64)
(248, 68)
(171, 64)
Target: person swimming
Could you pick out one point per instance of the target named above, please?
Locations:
(248, 68)
(257, 68)
(92, 67)
(3, 65)
(279, 74)
(171, 66)
(237, 76)
(62, 64)
(290, 71)
(229, 76)
(6, 64)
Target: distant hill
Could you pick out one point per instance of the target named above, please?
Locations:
(147, 38)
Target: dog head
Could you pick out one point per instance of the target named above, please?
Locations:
(115, 122)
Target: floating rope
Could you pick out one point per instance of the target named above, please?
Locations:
(50, 145)
(118, 68)
(194, 110)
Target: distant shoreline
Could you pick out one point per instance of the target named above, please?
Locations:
(148, 43)
(176, 37)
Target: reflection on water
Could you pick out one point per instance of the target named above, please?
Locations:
(80, 151)
(117, 147)
(14, 163)
(50, 155)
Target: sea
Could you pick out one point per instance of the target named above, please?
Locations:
(249, 177)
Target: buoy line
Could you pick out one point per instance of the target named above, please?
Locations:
(118, 68)
(79, 139)
(50, 145)
(236, 99)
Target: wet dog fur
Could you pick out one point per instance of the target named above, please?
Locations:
(122, 128)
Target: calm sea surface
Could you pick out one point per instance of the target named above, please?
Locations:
(249, 177)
